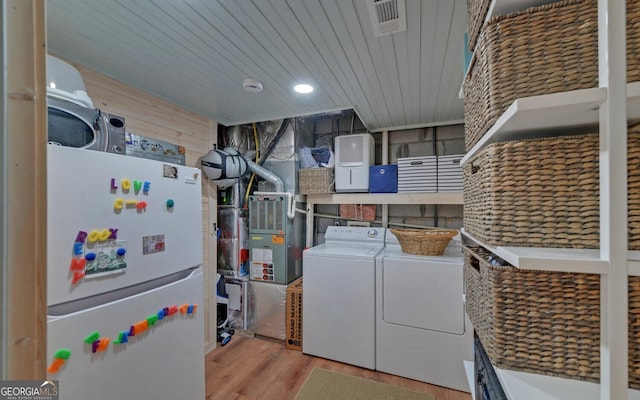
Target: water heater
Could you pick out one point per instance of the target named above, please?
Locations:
(354, 155)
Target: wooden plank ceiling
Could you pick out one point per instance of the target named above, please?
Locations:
(196, 54)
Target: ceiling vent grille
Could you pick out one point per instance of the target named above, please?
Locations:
(387, 16)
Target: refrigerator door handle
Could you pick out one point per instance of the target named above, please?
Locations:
(63, 309)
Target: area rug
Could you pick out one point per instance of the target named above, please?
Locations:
(327, 385)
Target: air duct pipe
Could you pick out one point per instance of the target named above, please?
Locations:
(267, 175)
(223, 165)
(279, 186)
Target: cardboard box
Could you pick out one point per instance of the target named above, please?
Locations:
(294, 315)
(360, 212)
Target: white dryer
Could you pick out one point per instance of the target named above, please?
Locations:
(338, 295)
(422, 331)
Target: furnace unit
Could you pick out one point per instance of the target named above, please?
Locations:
(275, 249)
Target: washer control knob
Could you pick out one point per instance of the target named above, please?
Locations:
(372, 233)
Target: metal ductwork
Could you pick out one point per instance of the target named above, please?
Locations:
(266, 175)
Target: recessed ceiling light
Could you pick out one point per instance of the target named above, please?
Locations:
(303, 88)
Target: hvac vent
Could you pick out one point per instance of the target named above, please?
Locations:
(387, 16)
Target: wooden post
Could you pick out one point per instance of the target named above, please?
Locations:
(25, 201)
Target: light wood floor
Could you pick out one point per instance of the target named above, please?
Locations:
(261, 369)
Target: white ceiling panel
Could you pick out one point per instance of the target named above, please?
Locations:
(197, 53)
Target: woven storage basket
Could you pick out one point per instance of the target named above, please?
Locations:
(634, 332)
(543, 322)
(424, 242)
(315, 180)
(633, 187)
(535, 321)
(544, 192)
(541, 50)
(476, 14)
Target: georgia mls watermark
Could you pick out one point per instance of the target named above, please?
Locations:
(29, 390)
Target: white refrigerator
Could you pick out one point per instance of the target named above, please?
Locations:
(125, 286)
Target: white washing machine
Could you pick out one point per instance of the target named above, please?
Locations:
(338, 295)
(422, 331)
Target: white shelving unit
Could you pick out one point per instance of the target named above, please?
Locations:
(375, 198)
(386, 198)
(525, 386)
(549, 259)
(606, 108)
(545, 115)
